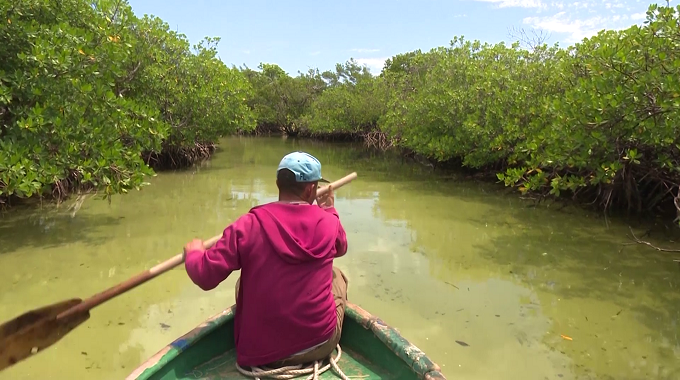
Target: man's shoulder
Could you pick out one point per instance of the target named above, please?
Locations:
(244, 220)
(331, 211)
(275, 207)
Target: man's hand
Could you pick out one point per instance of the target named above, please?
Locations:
(326, 200)
(194, 245)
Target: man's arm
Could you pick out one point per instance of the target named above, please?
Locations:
(341, 239)
(327, 203)
(208, 268)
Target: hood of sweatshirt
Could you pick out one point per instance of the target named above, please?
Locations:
(298, 232)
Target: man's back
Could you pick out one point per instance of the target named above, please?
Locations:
(285, 252)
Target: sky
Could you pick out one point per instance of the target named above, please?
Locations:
(300, 35)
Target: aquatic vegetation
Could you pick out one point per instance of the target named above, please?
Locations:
(91, 95)
(597, 121)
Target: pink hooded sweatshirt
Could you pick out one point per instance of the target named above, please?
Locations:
(285, 253)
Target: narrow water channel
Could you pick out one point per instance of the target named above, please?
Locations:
(487, 286)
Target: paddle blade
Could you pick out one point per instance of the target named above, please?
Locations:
(36, 330)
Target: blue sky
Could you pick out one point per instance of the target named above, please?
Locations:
(298, 35)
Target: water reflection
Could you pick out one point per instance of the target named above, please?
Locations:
(485, 285)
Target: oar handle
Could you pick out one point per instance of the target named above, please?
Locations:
(126, 285)
(148, 274)
(337, 184)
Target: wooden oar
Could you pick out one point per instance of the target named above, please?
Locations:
(38, 329)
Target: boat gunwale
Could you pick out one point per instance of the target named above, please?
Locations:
(179, 345)
(415, 358)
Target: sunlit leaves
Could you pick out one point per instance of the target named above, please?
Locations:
(602, 114)
(618, 120)
(352, 103)
(86, 87)
(470, 101)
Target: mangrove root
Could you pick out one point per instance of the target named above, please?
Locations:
(638, 241)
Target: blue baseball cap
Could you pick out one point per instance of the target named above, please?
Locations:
(305, 167)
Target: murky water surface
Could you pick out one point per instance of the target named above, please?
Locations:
(533, 293)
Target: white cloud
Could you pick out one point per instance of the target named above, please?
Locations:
(516, 3)
(577, 29)
(580, 19)
(561, 23)
(373, 63)
(613, 4)
(638, 16)
(365, 50)
(579, 5)
(315, 52)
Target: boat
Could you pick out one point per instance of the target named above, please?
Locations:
(369, 349)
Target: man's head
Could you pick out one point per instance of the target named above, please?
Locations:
(297, 177)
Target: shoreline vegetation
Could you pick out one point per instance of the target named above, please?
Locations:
(93, 97)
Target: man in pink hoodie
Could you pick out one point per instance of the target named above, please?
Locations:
(290, 299)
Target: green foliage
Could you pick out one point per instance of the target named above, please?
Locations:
(347, 100)
(598, 120)
(280, 101)
(62, 117)
(88, 91)
(86, 88)
(471, 101)
(352, 103)
(615, 127)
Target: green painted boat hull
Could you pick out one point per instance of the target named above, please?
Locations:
(370, 350)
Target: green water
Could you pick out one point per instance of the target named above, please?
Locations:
(441, 259)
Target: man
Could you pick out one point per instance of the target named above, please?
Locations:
(290, 300)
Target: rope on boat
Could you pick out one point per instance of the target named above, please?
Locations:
(290, 372)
